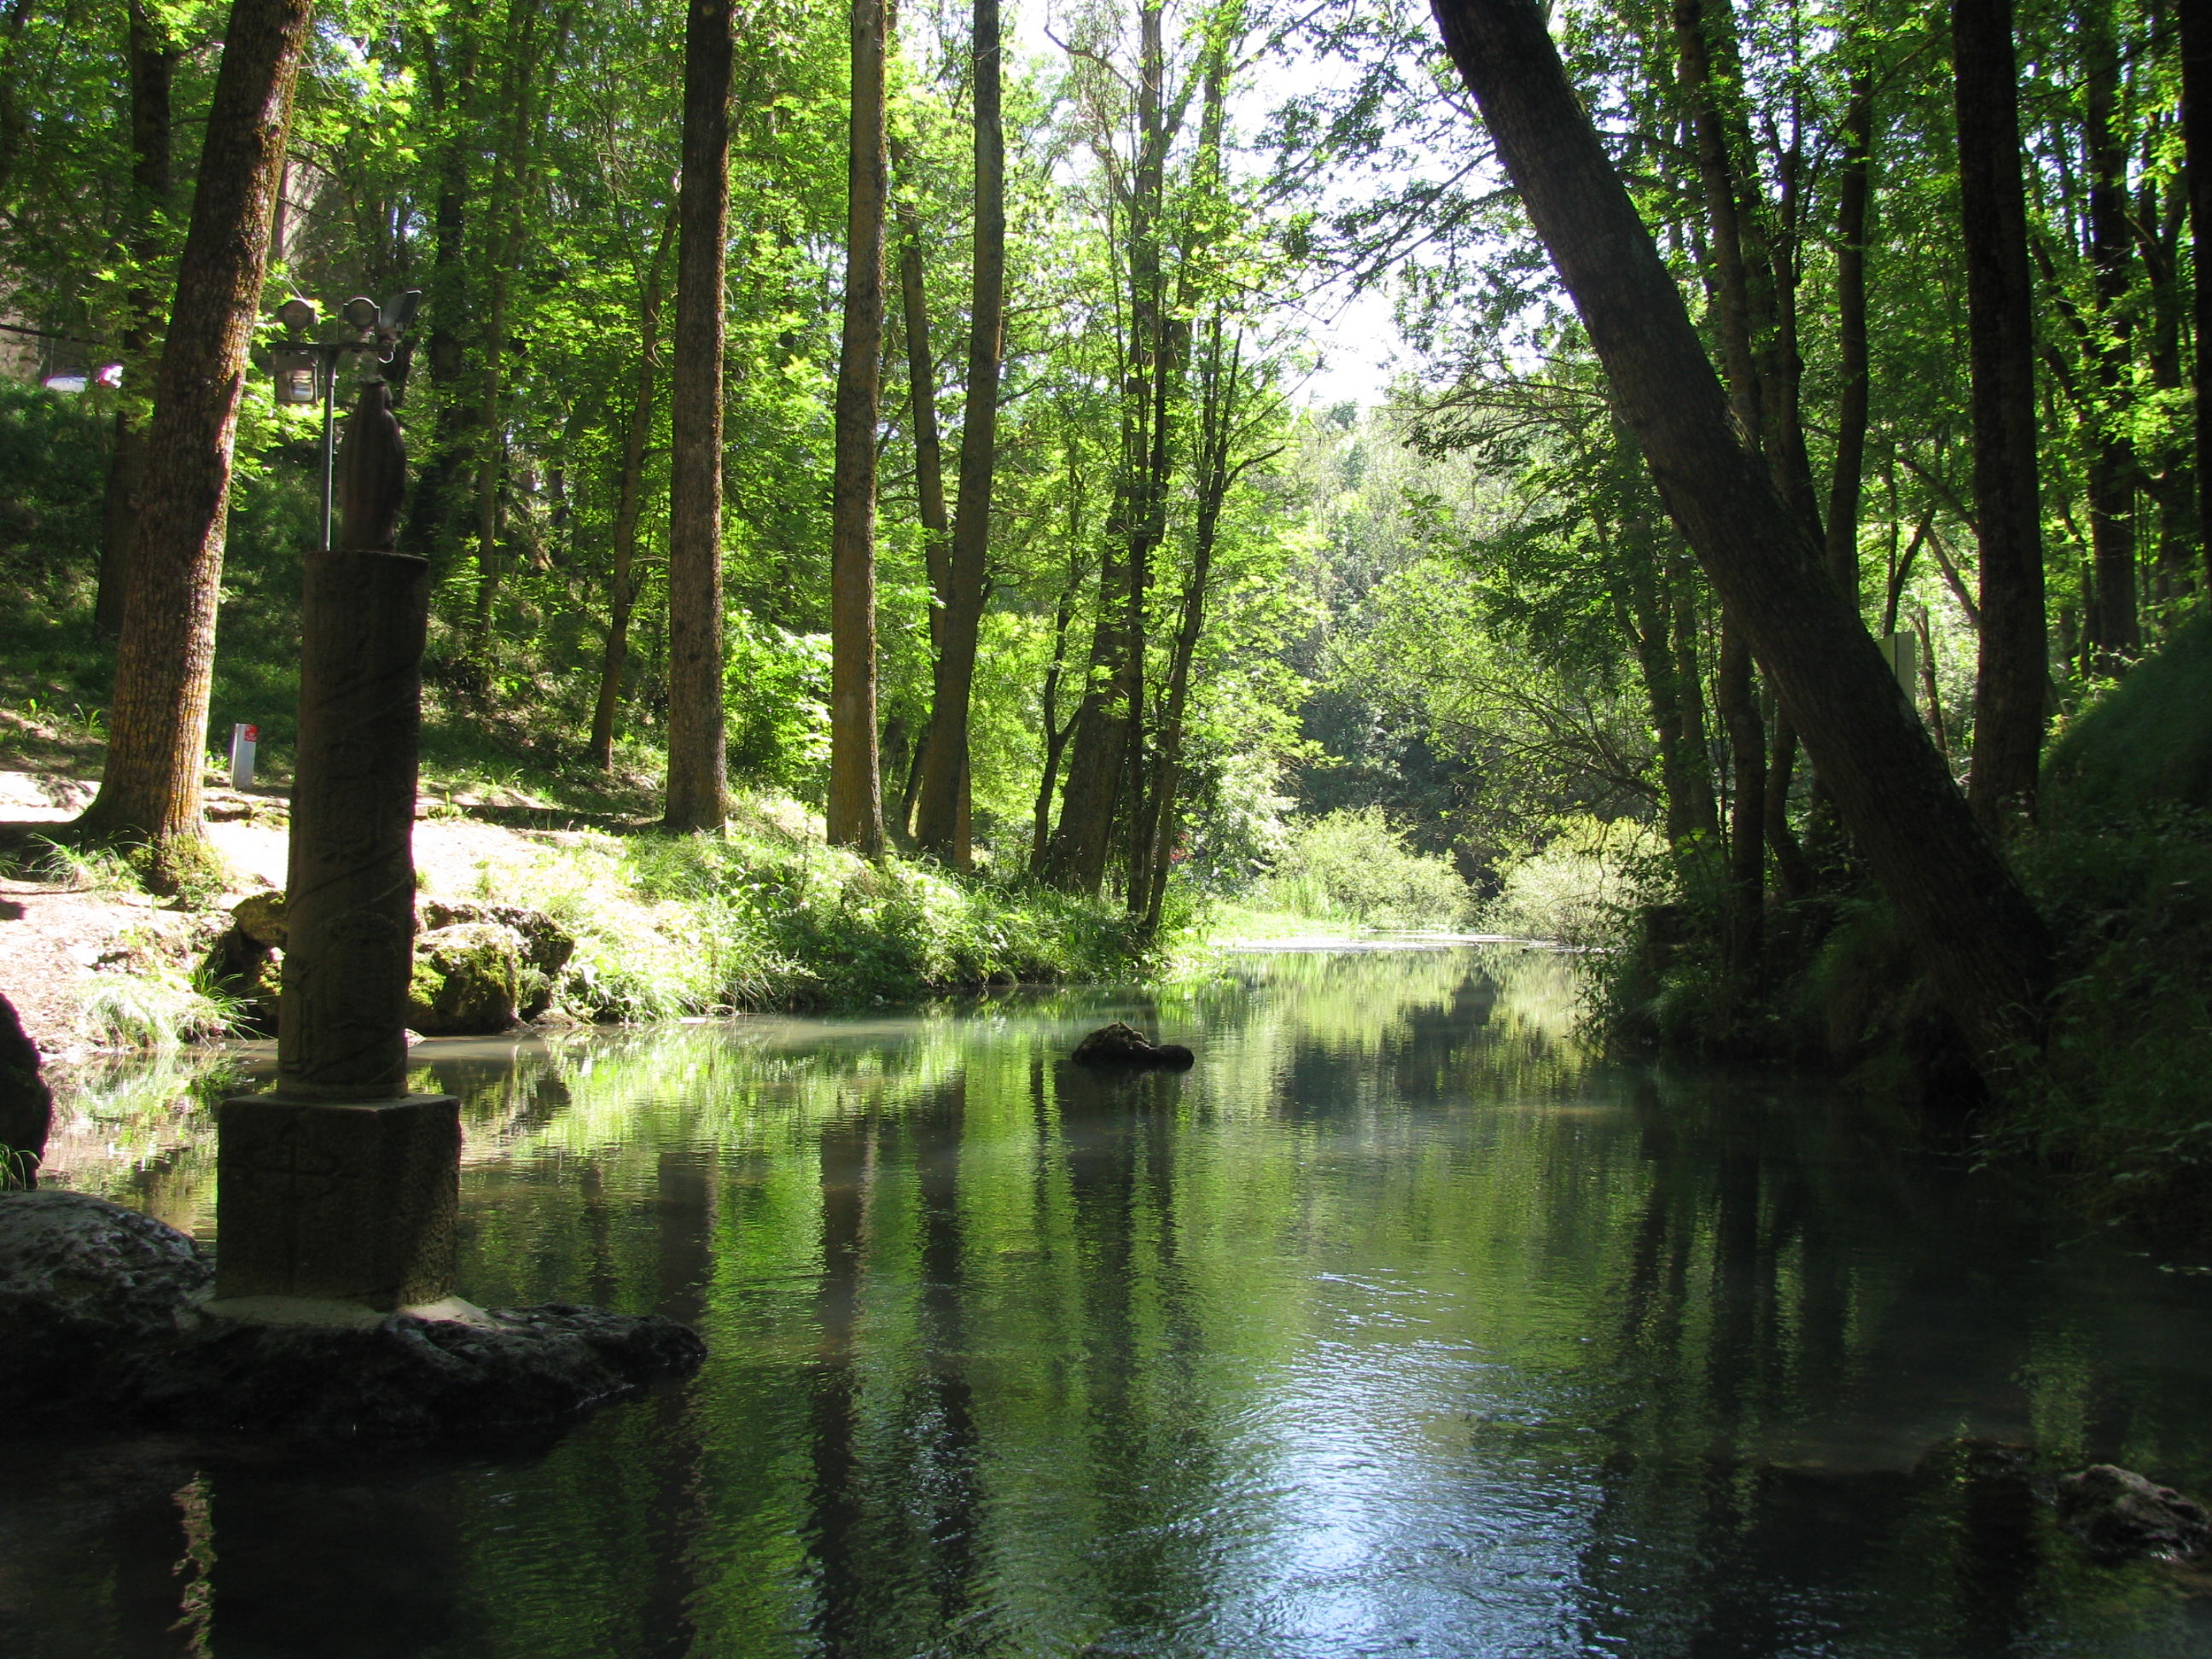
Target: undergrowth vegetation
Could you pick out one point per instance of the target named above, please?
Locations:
(1351, 866)
(766, 915)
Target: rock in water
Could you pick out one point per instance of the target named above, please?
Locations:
(26, 1106)
(2117, 1512)
(83, 1280)
(546, 945)
(104, 1321)
(1121, 1044)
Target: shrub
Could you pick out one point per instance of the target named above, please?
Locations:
(1583, 886)
(1351, 866)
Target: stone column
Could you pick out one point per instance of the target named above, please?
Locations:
(340, 1185)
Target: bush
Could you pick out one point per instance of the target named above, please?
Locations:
(1583, 886)
(1351, 866)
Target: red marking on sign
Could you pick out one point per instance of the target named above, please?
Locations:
(253, 734)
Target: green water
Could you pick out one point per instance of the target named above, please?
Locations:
(1395, 1326)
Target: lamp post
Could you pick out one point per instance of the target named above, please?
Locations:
(338, 1188)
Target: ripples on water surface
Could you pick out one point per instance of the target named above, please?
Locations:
(1392, 1328)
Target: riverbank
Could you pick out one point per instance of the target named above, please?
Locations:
(664, 927)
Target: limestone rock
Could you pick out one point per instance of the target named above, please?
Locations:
(468, 981)
(81, 1278)
(2117, 1512)
(260, 917)
(27, 1106)
(546, 945)
(1121, 1044)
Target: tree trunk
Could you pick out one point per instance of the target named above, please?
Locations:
(945, 768)
(1980, 940)
(2009, 686)
(629, 501)
(1736, 703)
(431, 521)
(2115, 633)
(929, 439)
(157, 721)
(152, 57)
(856, 811)
(1855, 193)
(2196, 129)
(698, 755)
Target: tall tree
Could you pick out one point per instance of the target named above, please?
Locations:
(152, 56)
(157, 720)
(2010, 687)
(698, 756)
(2196, 129)
(2114, 631)
(630, 503)
(1980, 940)
(856, 812)
(940, 820)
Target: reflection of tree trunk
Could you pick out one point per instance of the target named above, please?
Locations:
(833, 1502)
(954, 1492)
(698, 756)
(629, 500)
(939, 825)
(855, 807)
(157, 719)
(2009, 689)
(1975, 932)
(152, 57)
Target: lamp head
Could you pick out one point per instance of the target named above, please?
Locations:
(298, 315)
(360, 312)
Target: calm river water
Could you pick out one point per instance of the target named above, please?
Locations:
(1395, 1327)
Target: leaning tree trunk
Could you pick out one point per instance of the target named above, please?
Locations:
(2009, 689)
(856, 810)
(1855, 194)
(1980, 940)
(928, 464)
(698, 756)
(629, 502)
(938, 821)
(153, 58)
(157, 720)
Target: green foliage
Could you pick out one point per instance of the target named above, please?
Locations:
(1582, 887)
(1352, 865)
(157, 1008)
(2146, 746)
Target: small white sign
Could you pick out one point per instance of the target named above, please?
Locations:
(243, 740)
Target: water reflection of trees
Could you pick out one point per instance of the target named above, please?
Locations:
(1012, 1357)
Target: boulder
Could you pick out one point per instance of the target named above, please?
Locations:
(259, 918)
(468, 981)
(1121, 1044)
(27, 1106)
(80, 1280)
(2118, 1513)
(546, 945)
(104, 1322)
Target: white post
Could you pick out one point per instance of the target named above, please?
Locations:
(243, 740)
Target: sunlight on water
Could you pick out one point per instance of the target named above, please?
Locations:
(1395, 1326)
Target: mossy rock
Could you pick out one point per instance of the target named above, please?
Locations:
(469, 981)
(546, 945)
(26, 1105)
(2147, 748)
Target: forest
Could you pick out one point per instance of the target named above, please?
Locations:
(1721, 486)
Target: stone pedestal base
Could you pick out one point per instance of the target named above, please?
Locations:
(347, 1201)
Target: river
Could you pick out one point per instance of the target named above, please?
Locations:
(1398, 1326)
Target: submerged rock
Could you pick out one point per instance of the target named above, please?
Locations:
(2117, 1513)
(27, 1106)
(104, 1319)
(1121, 1044)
